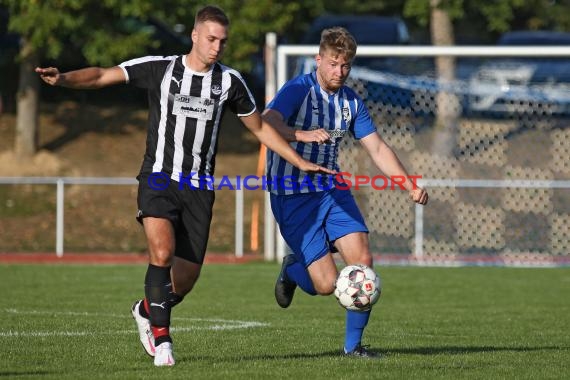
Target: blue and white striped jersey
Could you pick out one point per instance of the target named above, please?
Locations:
(305, 106)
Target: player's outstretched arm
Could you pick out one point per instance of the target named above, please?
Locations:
(274, 141)
(387, 161)
(87, 78)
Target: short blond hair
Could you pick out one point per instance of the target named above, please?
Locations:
(338, 41)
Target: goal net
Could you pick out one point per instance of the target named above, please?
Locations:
(490, 139)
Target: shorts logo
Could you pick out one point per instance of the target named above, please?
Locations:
(216, 89)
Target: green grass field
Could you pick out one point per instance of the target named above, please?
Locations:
(73, 322)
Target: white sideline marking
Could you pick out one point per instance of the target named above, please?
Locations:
(214, 324)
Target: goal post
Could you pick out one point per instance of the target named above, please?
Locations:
(497, 167)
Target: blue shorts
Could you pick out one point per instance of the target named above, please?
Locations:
(311, 222)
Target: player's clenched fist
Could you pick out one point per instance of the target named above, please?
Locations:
(419, 195)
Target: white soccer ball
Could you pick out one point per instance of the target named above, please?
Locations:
(357, 287)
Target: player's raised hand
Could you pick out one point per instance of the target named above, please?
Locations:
(50, 75)
(311, 167)
(419, 195)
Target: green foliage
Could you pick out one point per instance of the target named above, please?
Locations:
(355, 6)
(44, 23)
(420, 9)
(499, 16)
(251, 20)
(502, 16)
(93, 24)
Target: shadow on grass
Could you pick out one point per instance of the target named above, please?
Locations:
(384, 353)
(457, 350)
(13, 374)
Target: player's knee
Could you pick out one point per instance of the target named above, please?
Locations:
(325, 288)
(365, 258)
(161, 256)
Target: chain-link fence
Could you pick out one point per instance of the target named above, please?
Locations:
(497, 119)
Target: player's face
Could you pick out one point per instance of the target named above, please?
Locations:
(209, 40)
(332, 70)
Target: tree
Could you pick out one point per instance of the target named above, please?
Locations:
(499, 17)
(48, 27)
(440, 14)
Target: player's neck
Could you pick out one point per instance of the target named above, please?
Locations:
(193, 63)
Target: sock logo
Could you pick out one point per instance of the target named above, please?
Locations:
(161, 305)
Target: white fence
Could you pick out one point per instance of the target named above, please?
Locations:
(60, 183)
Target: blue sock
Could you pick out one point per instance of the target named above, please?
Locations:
(356, 321)
(298, 273)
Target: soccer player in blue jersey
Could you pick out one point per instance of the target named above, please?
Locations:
(316, 216)
(188, 95)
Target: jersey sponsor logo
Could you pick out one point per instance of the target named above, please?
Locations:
(346, 114)
(216, 89)
(336, 133)
(194, 107)
(333, 133)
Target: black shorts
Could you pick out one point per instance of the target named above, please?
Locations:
(189, 210)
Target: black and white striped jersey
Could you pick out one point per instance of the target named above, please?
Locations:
(185, 112)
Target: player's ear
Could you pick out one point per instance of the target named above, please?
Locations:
(318, 59)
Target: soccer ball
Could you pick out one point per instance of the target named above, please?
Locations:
(357, 287)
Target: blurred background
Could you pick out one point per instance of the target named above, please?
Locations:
(486, 118)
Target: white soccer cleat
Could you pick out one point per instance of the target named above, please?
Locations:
(164, 356)
(143, 325)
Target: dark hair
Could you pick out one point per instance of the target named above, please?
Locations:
(212, 13)
(338, 40)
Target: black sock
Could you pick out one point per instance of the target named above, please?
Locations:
(158, 290)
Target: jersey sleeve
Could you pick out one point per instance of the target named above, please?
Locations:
(142, 72)
(241, 101)
(363, 124)
(289, 98)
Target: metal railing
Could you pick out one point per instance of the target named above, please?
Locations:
(418, 245)
(60, 183)
(474, 183)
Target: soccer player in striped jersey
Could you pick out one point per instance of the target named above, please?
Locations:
(188, 95)
(316, 214)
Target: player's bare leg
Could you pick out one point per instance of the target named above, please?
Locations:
(184, 275)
